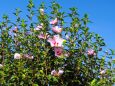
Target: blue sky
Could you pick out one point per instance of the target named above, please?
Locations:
(101, 13)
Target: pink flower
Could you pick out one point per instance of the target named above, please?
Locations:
(56, 41)
(54, 22)
(58, 51)
(91, 52)
(39, 27)
(60, 72)
(57, 29)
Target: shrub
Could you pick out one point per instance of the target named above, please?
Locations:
(48, 50)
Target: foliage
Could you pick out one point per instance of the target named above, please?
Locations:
(29, 56)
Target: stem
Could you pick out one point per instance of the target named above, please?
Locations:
(2, 54)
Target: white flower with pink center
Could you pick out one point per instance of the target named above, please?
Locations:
(56, 41)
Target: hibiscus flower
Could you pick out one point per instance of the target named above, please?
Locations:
(58, 51)
(56, 41)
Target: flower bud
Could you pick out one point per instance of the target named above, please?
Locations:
(60, 72)
(57, 29)
(67, 37)
(39, 27)
(54, 73)
(15, 29)
(54, 22)
(1, 66)
(17, 56)
(102, 72)
(41, 11)
(27, 56)
(91, 52)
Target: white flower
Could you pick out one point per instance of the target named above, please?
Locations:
(17, 56)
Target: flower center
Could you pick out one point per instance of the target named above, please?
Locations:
(58, 52)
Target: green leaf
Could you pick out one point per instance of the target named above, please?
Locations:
(35, 85)
(93, 83)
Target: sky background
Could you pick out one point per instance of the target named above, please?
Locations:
(101, 13)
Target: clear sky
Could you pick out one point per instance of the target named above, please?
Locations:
(101, 13)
